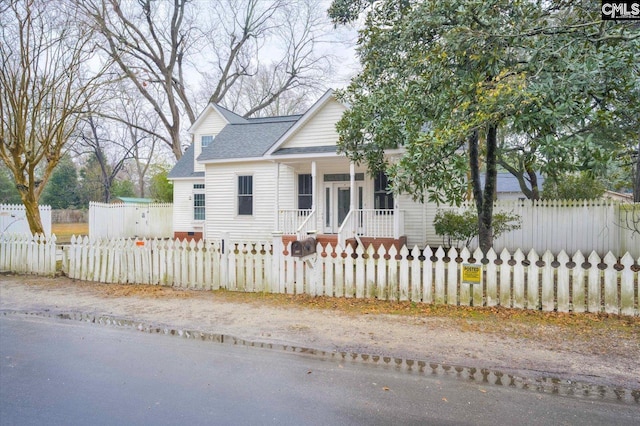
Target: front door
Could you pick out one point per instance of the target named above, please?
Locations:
(337, 203)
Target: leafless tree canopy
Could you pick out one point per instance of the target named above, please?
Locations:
(244, 54)
(43, 89)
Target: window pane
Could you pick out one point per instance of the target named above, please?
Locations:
(305, 191)
(304, 202)
(206, 140)
(245, 185)
(342, 177)
(245, 205)
(245, 195)
(382, 198)
(198, 207)
(304, 184)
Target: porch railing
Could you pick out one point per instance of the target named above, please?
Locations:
(371, 223)
(309, 225)
(290, 220)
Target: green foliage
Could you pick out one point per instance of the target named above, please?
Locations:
(61, 190)
(573, 187)
(161, 188)
(463, 227)
(8, 192)
(438, 72)
(91, 187)
(123, 188)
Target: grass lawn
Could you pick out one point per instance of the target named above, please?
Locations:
(64, 231)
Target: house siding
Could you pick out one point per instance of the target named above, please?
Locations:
(183, 206)
(320, 130)
(288, 188)
(221, 201)
(212, 124)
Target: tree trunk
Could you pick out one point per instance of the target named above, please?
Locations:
(636, 177)
(32, 211)
(533, 178)
(485, 217)
(484, 196)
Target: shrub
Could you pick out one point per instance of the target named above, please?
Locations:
(459, 227)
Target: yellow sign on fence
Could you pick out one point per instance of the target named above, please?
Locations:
(472, 273)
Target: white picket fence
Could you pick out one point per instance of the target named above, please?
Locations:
(123, 220)
(561, 283)
(13, 219)
(28, 254)
(571, 225)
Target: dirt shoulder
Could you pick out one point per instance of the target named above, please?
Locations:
(595, 349)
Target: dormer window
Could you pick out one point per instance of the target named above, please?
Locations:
(206, 140)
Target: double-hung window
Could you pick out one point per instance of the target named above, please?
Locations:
(198, 201)
(305, 192)
(382, 197)
(245, 195)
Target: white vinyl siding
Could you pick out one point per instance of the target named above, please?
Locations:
(287, 199)
(183, 205)
(222, 207)
(414, 220)
(320, 130)
(211, 124)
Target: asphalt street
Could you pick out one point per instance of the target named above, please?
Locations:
(63, 372)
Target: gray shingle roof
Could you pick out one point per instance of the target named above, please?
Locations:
(184, 167)
(506, 182)
(247, 140)
(231, 116)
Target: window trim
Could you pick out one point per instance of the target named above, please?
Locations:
(382, 193)
(308, 195)
(199, 190)
(238, 195)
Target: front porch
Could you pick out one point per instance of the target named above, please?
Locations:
(338, 207)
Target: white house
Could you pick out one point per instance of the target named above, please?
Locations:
(245, 179)
(248, 178)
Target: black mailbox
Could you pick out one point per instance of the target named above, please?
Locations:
(304, 247)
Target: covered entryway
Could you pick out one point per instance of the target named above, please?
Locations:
(337, 203)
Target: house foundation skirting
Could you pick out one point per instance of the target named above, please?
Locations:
(325, 239)
(191, 235)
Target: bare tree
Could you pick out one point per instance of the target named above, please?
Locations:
(148, 41)
(140, 134)
(168, 47)
(110, 146)
(43, 90)
(294, 63)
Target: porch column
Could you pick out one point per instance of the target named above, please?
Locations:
(314, 187)
(352, 183)
(396, 217)
(277, 203)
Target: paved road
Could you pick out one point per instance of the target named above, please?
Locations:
(61, 372)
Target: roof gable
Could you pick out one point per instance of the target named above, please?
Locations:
(223, 114)
(316, 127)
